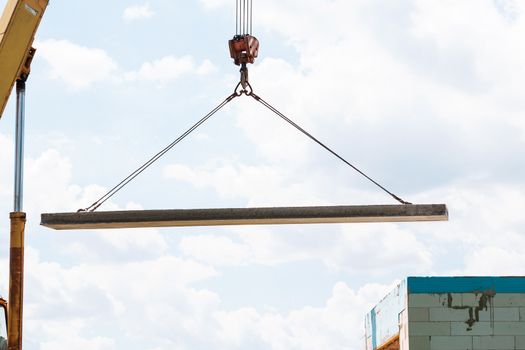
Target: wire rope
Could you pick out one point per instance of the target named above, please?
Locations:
(251, 17)
(295, 125)
(158, 155)
(243, 24)
(245, 16)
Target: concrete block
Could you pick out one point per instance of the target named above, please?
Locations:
(403, 330)
(427, 300)
(493, 342)
(509, 328)
(500, 314)
(478, 328)
(520, 342)
(470, 299)
(456, 299)
(509, 299)
(450, 343)
(418, 314)
(447, 314)
(428, 328)
(419, 343)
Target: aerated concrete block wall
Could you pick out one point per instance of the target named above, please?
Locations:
(467, 313)
(457, 313)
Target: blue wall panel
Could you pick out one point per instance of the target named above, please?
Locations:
(382, 323)
(438, 285)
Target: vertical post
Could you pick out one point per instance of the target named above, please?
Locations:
(18, 221)
(19, 147)
(16, 281)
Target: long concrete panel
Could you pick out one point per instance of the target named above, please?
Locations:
(245, 216)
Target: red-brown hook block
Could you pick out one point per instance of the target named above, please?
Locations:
(244, 49)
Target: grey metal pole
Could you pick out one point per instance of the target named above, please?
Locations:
(18, 220)
(19, 146)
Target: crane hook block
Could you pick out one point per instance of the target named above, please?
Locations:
(243, 49)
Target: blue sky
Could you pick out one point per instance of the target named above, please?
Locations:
(425, 96)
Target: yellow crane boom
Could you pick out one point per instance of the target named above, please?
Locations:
(18, 26)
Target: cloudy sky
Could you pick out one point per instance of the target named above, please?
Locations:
(425, 96)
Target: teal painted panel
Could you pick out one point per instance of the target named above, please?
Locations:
(438, 285)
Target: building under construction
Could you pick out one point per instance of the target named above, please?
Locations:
(450, 313)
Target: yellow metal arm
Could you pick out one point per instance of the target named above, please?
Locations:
(18, 25)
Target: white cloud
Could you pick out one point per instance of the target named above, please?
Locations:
(261, 246)
(143, 300)
(368, 248)
(148, 239)
(431, 67)
(212, 4)
(215, 250)
(360, 249)
(478, 211)
(169, 68)
(494, 261)
(283, 86)
(327, 327)
(206, 67)
(276, 183)
(138, 12)
(76, 65)
(48, 188)
(172, 314)
(80, 67)
(414, 85)
(155, 303)
(233, 181)
(71, 342)
(6, 158)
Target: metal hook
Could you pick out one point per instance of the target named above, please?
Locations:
(240, 90)
(244, 83)
(244, 75)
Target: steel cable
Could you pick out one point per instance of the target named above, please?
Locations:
(295, 125)
(153, 159)
(235, 94)
(243, 17)
(251, 17)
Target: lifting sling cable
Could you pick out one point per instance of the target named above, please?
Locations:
(153, 159)
(238, 92)
(243, 49)
(291, 122)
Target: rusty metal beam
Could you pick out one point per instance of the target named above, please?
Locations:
(16, 281)
(245, 216)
